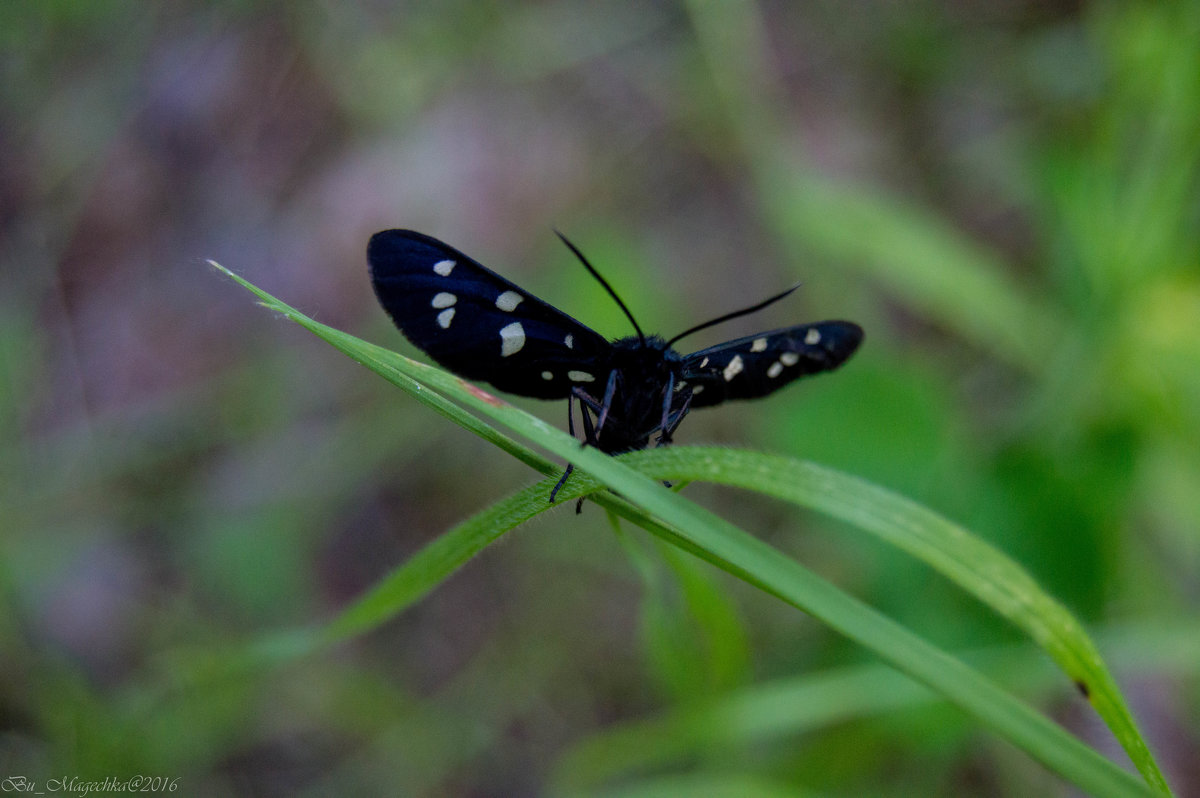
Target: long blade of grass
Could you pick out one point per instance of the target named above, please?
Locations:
(754, 561)
(782, 709)
(977, 567)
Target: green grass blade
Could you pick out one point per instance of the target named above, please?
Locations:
(434, 563)
(977, 567)
(751, 716)
(754, 561)
(779, 710)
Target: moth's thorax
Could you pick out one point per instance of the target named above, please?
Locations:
(644, 370)
(632, 352)
(644, 365)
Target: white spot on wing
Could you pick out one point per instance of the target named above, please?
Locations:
(580, 376)
(759, 345)
(546, 375)
(444, 267)
(704, 362)
(813, 336)
(512, 338)
(697, 389)
(508, 301)
(445, 317)
(789, 358)
(734, 368)
(569, 341)
(443, 300)
(775, 370)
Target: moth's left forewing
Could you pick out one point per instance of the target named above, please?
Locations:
(477, 324)
(757, 365)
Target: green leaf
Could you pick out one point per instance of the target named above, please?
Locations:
(719, 542)
(781, 709)
(977, 567)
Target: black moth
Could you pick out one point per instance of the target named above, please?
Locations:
(482, 327)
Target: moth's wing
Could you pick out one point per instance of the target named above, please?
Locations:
(477, 324)
(757, 365)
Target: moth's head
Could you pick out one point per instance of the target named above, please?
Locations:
(652, 357)
(652, 344)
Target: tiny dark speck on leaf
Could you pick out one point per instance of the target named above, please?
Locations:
(1083, 689)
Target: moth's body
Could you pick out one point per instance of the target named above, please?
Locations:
(482, 327)
(644, 372)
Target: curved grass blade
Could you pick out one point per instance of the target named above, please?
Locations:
(752, 560)
(972, 564)
(433, 564)
(782, 709)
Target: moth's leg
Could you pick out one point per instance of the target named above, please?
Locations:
(570, 466)
(570, 414)
(609, 392)
(588, 402)
(601, 408)
(680, 413)
(589, 434)
(586, 398)
(672, 423)
(561, 481)
(668, 395)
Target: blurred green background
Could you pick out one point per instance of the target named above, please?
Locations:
(1005, 195)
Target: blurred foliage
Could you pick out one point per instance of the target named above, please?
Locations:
(1004, 195)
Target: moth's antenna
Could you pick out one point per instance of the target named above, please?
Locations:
(604, 283)
(734, 315)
